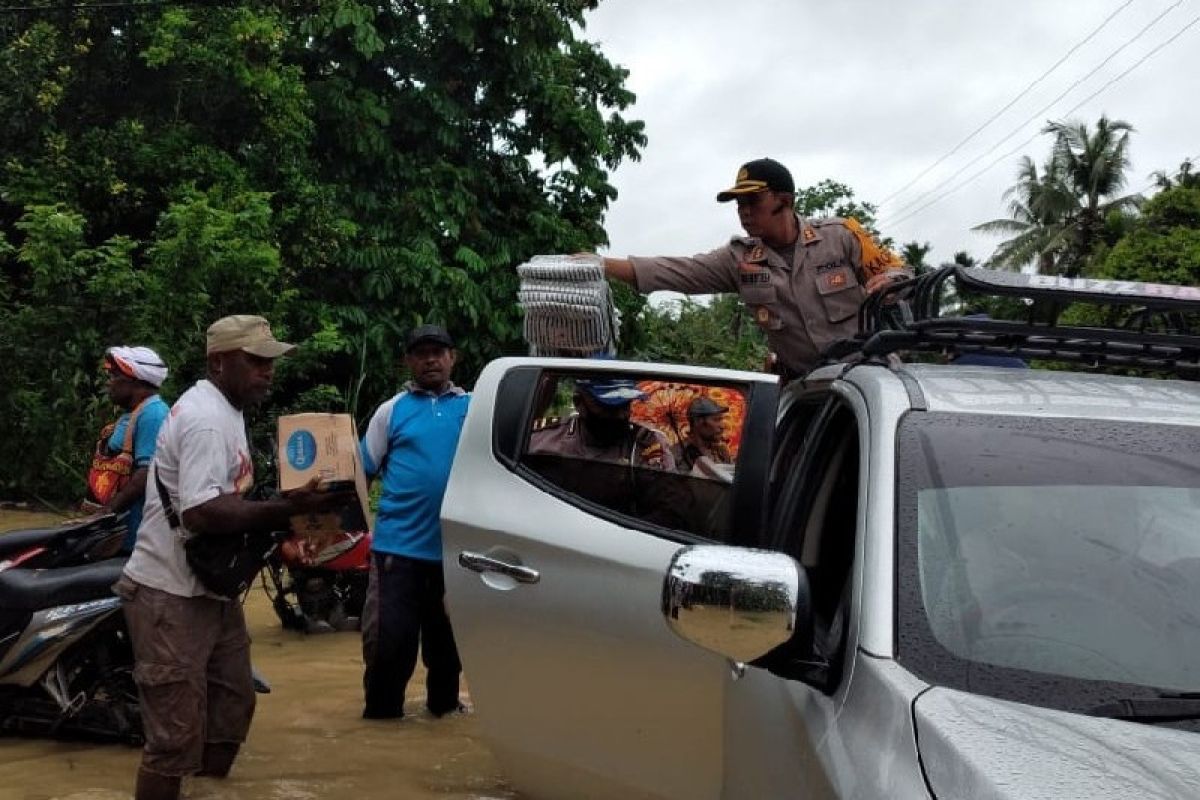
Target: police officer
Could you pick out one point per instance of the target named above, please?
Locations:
(599, 454)
(803, 280)
(705, 437)
(600, 429)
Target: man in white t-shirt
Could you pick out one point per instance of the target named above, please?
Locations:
(191, 648)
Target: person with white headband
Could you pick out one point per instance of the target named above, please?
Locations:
(134, 377)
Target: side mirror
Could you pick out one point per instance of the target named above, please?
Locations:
(737, 602)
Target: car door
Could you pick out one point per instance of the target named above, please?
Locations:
(580, 687)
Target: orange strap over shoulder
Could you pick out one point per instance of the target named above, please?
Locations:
(876, 258)
(109, 473)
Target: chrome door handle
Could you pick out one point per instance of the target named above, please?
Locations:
(477, 562)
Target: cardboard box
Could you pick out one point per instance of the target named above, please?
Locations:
(324, 446)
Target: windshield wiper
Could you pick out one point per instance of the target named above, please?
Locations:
(1166, 707)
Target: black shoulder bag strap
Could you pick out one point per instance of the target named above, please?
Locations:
(164, 498)
(224, 565)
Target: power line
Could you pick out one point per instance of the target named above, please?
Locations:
(1017, 149)
(1009, 105)
(926, 194)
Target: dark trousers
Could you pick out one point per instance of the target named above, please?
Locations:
(405, 608)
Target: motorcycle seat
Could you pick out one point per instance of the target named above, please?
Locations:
(36, 589)
(16, 542)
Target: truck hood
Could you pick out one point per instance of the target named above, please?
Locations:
(985, 749)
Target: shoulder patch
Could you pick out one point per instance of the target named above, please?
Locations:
(651, 451)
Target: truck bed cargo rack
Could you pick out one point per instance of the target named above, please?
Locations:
(922, 315)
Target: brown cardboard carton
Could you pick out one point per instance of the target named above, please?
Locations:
(324, 446)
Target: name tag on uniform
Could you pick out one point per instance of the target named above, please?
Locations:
(753, 276)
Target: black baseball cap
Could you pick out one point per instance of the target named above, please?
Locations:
(759, 175)
(427, 333)
(704, 407)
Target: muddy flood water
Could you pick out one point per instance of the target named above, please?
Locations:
(307, 742)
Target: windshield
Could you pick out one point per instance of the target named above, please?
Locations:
(1050, 561)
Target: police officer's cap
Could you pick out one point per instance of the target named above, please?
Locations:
(704, 407)
(759, 175)
(611, 391)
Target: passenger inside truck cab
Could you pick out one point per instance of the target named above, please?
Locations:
(658, 451)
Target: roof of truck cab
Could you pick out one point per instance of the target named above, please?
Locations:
(1038, 392)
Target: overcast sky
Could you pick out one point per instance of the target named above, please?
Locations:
(872, 93)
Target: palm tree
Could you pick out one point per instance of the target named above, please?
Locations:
(1038, 204)
(1186, 177)
(914, 254)
(1058, 216)
(1095, 167)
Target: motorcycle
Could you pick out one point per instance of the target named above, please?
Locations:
(66, 665)
(325, 595)
(88, 540)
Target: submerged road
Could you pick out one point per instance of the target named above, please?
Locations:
(307, 743)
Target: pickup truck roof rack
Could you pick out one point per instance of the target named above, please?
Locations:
(1147, 326)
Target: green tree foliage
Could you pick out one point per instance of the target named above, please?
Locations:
(1161, 246)
(717, 334)
(1164, 244)
(345, 169)
(830, 198)
(471, 135)
(1186, 176)
(914, 254)
(1062, 217)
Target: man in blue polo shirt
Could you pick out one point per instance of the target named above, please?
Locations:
(410, 444)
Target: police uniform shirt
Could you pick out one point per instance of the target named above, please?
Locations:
(803, 303)
(646, 447)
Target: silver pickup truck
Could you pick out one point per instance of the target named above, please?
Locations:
(908, 581)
